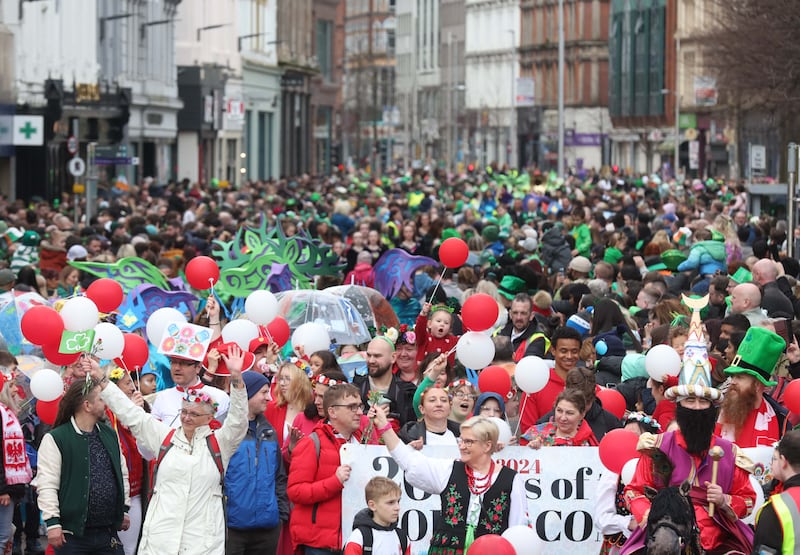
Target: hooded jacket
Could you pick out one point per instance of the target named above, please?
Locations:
(555, 250)
(385, 539)
(707, 257)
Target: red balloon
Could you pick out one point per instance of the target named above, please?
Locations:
(134, 353)
(491, 544)
(791, 396)
(202, 272)
(106, 293)
(47, 410)
(279, 331)
(618, 447)
(613, 401)
(480, 312)
(494, 379)
(41, 325)
(453, 252)
(50, 352)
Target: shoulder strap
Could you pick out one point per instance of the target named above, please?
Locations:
(315, 440)
(166, 445)
(366, 538)
(403, 539)
(213, 446)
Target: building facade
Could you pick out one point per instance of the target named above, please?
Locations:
(492, 68)
(371, 114)
(326, 85)
(586, 119)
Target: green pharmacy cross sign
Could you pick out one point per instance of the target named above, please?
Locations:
(28, 130)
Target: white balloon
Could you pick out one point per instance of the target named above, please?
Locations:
(525, 540)
(532, 374)
(241, 332)
(47, 385)
(662, 361)
(475, 350)
(79, 314)
(261, 307)
(628, 469)
(158, 322)
(312, 337)
(504, 428)
(751, 518)
(108, 341)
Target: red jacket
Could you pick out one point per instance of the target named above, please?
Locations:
(536, 405)
(362, 274)
(316, 492)
(426, 343)
(277, 417)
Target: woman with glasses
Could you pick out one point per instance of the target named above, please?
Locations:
(478, 496)
(435, 427)
(293, 396)
(185, 514)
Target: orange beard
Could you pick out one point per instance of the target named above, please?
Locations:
(737, 406)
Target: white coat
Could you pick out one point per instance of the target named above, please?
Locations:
(185, 515)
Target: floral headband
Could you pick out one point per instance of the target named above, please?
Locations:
(116, 375)
(302, 364)
(456, 384)
(325, 380)
(403, 336)
(200, 397)
(642, 418)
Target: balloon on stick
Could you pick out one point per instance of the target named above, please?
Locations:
(613, 401)
(202, 272)
(453, 252)
(159, 320)
(475, 350)
(618, 447)
(494, 379)
(531, 374)
(106, 293)
(108, 341)
(261, 307)
(42, 324)
(279, 331)
(480, 312)
(47, 385)
(662, 361)
(134, 353)
(312, 337)
(79, 314)
(47, 410)
(241, 332)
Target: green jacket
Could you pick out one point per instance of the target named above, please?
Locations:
(583, 240)
(73, 482)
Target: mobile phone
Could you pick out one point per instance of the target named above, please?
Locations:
(783, 327)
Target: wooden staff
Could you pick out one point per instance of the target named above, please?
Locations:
(716, 453)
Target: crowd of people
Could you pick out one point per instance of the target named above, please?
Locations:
(242, 450)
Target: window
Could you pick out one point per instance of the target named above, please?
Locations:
(325, 48)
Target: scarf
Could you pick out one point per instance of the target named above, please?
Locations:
(15, 458)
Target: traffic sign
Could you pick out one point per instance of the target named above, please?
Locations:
(758, 157)
(72, 145)
(76, 166)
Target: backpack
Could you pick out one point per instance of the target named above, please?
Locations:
(213, 447)
(366, 538)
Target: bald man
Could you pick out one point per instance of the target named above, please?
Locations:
(381, 356)
(773, 300)
(746, 300)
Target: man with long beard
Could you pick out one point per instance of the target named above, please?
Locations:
(673, 457)
(749, 416)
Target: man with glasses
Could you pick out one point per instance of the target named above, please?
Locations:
(318, 474)
(185, 373)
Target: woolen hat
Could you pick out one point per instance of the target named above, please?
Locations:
(581, 264)
(253, 382)
(758, 354)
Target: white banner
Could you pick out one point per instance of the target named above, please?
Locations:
(560, 483)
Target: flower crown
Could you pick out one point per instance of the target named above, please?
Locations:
(642, 418)
(402, 336)
(456, 384)
(325, 380)
(302, 364)
(116, 375)
(200, 397)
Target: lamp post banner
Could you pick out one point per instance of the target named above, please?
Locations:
(560, 484)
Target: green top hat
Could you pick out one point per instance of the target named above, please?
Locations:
(758, 354)
(672, 259)
(742, 275)
(510, 286)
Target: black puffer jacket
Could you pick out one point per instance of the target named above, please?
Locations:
(554, 250)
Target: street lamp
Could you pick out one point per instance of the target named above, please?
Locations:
(512, 122)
